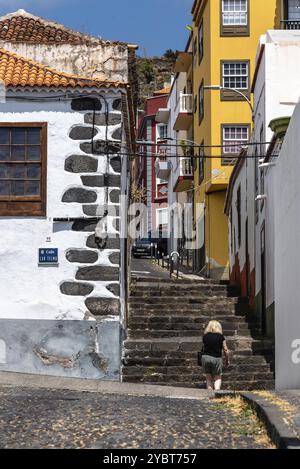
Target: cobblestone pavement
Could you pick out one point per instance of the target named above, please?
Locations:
(39, 418)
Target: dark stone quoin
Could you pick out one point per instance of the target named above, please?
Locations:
(98, 273)
(82, 133)
(100, 119)
(103, 306)
(81, 164)
(76, 289)
(82, 256)
(79, 195)
(109, 243)
(86, 104)
(93, 181)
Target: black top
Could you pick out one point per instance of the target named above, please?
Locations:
(213, 344)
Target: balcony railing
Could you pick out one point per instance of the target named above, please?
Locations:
(186, 167)
(290, 24)
(185, 103)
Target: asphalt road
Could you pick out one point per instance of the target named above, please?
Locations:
(42, 418)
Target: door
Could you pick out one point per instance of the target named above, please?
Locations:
(248, 286)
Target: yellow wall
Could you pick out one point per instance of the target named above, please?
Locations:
(263, 16)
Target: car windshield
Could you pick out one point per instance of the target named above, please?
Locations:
(143, 241)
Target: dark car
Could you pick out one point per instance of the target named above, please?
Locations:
(143, 247)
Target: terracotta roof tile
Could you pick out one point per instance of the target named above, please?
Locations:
(24, 27)
(18, 71)
(162, 91)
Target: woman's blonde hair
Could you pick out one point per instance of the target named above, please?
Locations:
(214, 326)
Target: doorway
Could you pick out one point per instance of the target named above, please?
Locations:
(263, 281)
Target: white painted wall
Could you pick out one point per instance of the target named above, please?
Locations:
(26, 290)
(277, 90)
(287, 259)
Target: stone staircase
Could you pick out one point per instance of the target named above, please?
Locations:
(167, 319)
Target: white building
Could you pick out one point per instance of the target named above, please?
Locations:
(250, 197)
(61, 176)
(175, 165)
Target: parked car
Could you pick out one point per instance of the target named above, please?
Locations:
(143, 247)
(146, 247)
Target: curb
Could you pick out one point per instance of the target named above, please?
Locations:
(274, 419)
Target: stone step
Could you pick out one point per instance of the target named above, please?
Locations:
(180, 292)
(231, 384)
(141, 280)
(200, 299)
(187, 359)
(147, 334)
(193, 369)
(187, 318)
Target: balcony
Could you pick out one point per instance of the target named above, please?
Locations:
(183, 62)
(184, 112)
(186, 176)
(290, 24)
(163, 166)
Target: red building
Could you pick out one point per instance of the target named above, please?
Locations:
(155, 188)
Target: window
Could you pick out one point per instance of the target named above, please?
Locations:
(201, 163)
(234, 12)
(23, 153)
(235, 75)
(195, 50)
(235, 17)
(233, 137)
(162, 216)
(200, 42)
(201, 102)
(162, 132)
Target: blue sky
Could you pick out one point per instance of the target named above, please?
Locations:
(155, 25)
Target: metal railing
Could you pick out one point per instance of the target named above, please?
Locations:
(186, 167)
(290, 24)
(185, 103)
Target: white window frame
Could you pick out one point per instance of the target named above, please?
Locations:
(236, 14)
(234, 140)
(234, 71)
(160, 212)
(158, 128)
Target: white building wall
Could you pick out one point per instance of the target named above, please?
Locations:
(286, 253)
(32, 303)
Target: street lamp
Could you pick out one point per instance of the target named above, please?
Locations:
(234, 90)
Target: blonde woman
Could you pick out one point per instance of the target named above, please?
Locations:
(214, 344)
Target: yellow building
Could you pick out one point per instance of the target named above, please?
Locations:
(225, 39)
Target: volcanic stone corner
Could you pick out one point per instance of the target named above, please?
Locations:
(84, 256)
(115, 163)
(76, 288)
(86, 104)
(108, 243)
(98, 273)
(84, 225)
(100, 119)
(103, 306)
(100, 147)
(79, 195)
(81, 164)
(114, 196)
(80, 132)
(117, 104)
(114, 258)
(114, 288)
(93, 181)
(99, 210)
(117, 134)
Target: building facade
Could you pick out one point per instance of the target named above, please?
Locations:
(250, 203)
(154, 188)
(225, 37)
(175, 165)
(62, 142)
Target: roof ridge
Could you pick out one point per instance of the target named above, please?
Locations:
(51, 23)
(26, 14)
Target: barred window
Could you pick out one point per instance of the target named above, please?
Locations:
(235, 12)
(235, 75)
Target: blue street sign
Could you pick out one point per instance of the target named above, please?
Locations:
(48, 256)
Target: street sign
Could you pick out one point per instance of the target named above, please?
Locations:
(48, 256)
